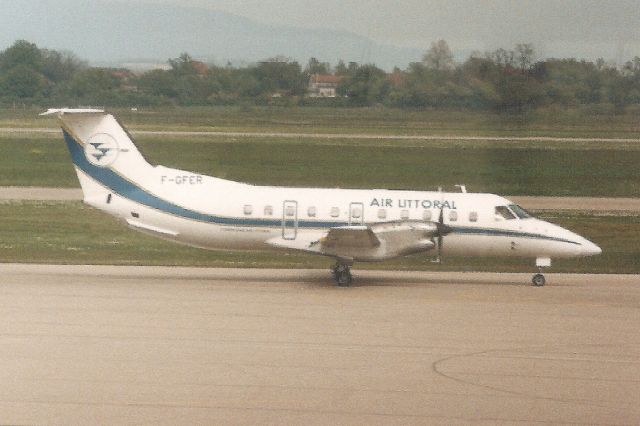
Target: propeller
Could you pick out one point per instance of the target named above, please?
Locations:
(441, 231)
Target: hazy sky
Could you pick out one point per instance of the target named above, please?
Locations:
(581, 28)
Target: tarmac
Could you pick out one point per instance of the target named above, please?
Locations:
(166, 345)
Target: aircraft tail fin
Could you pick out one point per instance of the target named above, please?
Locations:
(102, 150)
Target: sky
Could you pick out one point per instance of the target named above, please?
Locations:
(557, 28)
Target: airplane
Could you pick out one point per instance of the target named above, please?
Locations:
(348, 225)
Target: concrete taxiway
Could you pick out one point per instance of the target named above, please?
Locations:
(160, 345)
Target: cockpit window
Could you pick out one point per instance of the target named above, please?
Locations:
(519, 211)
(504, 212)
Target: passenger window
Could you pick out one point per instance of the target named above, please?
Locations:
(356, 212)
(248, 209)
(426, 215)
(453, 215)
(311, 211)
(502, 212)
(335, 212)
(268, 210)
(382, 214)
(290, 211)
(404, 214)
(473, 216)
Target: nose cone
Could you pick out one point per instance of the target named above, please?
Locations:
(590, 249)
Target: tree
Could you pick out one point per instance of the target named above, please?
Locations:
(632, 67)
(21, 53)
(314, 66)
(60, 66)
(22, 81)
(503, 58)
(280, 75)
(524, 56)
(183, 65)
(94, 81)
(439, 56)
(341, 68)
(519, 93)
(159, 83)
(482, 68)
(367, 85)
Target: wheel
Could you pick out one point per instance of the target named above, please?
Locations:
(342, 275)
(344, 279)
(538, 280)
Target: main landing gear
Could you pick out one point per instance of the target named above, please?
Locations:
(342, 274)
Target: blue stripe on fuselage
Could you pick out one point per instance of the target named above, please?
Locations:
(506, 233)
(123, 187)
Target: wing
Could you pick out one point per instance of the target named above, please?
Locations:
(352, 237)
(369, 243)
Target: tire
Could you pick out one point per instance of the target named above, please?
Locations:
(538, 280)
(344, 279)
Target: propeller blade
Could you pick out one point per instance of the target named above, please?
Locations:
(442, 229)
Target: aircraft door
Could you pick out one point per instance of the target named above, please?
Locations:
(356, 214)
(289, 220)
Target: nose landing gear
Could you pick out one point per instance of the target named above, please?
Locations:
(538, 279)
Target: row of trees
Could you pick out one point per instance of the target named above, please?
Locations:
(503, 79)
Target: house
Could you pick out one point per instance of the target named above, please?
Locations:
(200, 68)
(126, 78)
(323, 85)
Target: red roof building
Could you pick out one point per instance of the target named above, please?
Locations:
(323, 85)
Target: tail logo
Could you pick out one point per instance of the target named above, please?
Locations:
(101, 150)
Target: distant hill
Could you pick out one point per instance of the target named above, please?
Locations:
(104, 31)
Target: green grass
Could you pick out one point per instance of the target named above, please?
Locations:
(526, 168)
(72, 233)
(36, 161)
(576, 122)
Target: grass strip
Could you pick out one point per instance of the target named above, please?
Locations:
(558, 122)
(503, 168)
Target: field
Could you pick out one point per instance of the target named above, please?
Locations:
(524, 168)
(556, 122)
(72, 233)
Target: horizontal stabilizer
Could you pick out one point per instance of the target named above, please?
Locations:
(61, 111)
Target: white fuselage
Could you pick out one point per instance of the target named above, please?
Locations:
(221, 214)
